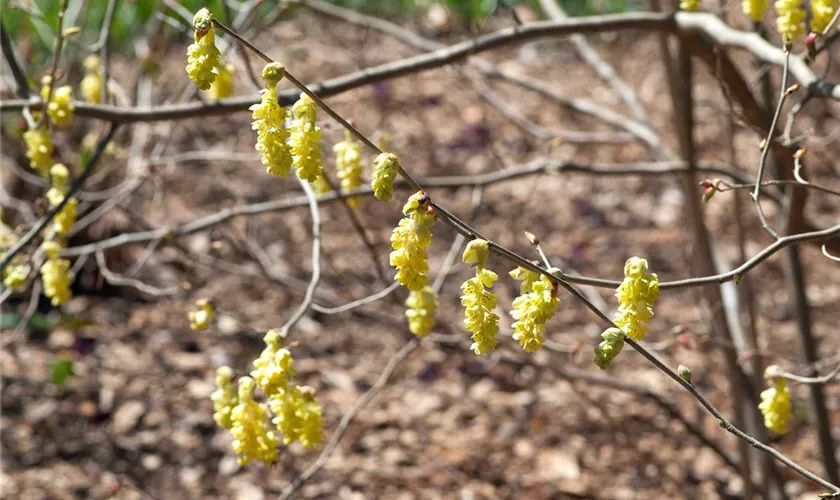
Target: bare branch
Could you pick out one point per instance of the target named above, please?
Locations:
(715, 33)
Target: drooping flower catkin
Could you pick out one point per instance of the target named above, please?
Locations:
(60, 108)
(203, 316)
(254, 438)
(298, 416)
(15, 274)
(224, 397)
(274, 369)
(91, 85)
(305, 140)
(532, 309)
(39, 149)
(55, 274)
(203, 56)
(348, 162)
(689, 5)
(775, 403)
(609, 348)
(270, 124)
(222, 85)
(636, 296)
(420, 310)
(821, 13)
(385, 169)
(754, 9)
(64, 220)
(478, 300)
(791, 19)
(410, 239)
(292, 409)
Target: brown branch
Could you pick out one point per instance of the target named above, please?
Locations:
(714, 33)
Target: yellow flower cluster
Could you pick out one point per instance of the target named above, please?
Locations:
(348, 161)
(636, 296)
(203, 56)
(385, 169)
(609, 348)
(204, 314)
(410, 239)
(39, 149)
(222, 85)
(60, 108)
(754, 9)
(8, 236)
(821, 13)
(305, 138)
(420, 310)
(297, 414)
(775, 403)
(224, 397)
(532, 309)
(91, 85)
(14, 276)
(689, 5)
(64, 220)
(270, 124)
(478, 301)
(525, 277)
(254, 439)
(321, 186)
(273, 369)
(791, 20)
(55, 274)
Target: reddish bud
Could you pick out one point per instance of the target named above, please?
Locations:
(683, 340)
(800, 152)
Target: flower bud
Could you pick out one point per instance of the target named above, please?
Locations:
(684, 372)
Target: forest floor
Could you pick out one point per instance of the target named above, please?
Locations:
(135, 421)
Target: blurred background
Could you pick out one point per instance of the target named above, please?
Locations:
(108, 396)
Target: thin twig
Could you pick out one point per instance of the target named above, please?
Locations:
(59, 43)
(356, 303)
(781, 182)
(828, 377)
(827, 254)
(756, 194)
(309, 297)
(715, 31)
(604, 70)
(348, 418)
(104, 51)
(102, 41)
